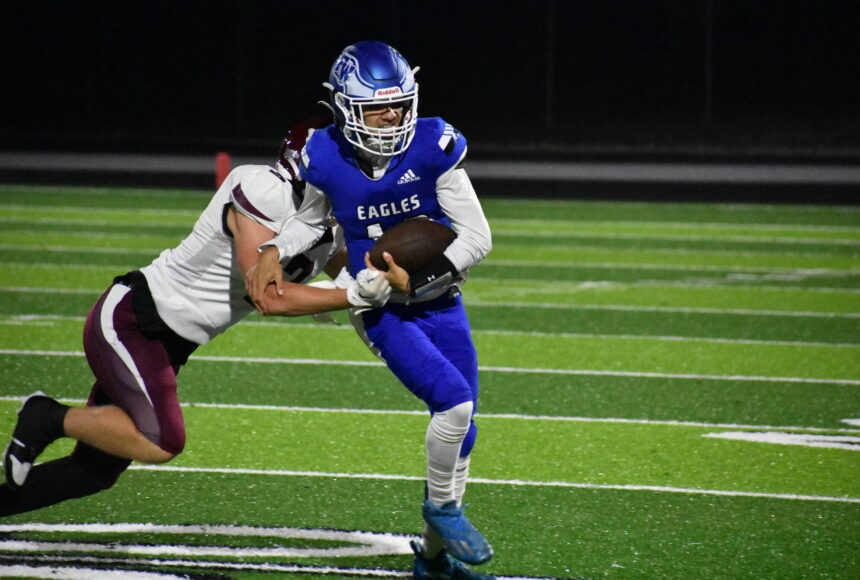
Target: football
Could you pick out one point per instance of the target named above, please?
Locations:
(413, 244)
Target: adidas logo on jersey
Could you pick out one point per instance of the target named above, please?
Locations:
(408, 177)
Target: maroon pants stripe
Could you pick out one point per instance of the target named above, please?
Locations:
(133, 372)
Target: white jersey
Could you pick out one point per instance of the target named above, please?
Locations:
(197, 286)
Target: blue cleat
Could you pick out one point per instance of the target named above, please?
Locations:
(461, 538)
(442, 567)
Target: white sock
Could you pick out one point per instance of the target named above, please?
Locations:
(432, 541)
(460, 476)
(444, 438)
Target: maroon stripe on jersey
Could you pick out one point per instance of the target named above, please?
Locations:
(239, 197)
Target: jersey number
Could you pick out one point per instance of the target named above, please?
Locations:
(298, 269)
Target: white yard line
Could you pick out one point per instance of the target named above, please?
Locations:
(26, 290)
(491, 416)
(683, 267)
(513, 231)
(83, 249)
(681, 310)
(42, 319)
(56, 267)
(572, 222)
(76, 570)
(512, 304)
(664, 338)
(587, 372)
(669, 236)
(674, 251)
(91, 221)
(568, 484)
(695, 283)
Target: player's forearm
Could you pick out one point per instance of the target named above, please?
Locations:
(300, 300)
(458, 200)
(305, 228)
(296, 238)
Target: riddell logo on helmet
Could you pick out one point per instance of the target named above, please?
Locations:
(386, 92)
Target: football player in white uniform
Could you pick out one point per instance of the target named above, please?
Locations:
(148, 322)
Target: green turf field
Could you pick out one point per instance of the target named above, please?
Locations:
(668, 391)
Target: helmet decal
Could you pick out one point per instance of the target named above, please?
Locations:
(343, 69)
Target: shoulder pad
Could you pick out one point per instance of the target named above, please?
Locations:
(442, 143)
(318, 140)
(262, 195)
(450, 139)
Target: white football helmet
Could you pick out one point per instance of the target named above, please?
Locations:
(368, 75)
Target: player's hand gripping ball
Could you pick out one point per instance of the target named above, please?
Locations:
(413, 244)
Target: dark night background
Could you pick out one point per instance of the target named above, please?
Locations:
(545, 79)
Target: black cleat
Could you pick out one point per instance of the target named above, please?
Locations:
(39, 424)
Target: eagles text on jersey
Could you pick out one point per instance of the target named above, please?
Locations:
(365, 207)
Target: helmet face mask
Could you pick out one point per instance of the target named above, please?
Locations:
(372, 76)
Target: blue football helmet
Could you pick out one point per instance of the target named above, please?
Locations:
(370, 75)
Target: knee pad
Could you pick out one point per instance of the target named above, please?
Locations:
(453, 425)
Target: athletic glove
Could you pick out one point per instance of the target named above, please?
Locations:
(344, 279)
(369, 290)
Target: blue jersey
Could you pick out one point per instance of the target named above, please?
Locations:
(366, 207)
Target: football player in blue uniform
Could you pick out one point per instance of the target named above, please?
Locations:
(378, 165)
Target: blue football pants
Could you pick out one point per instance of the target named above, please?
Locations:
(428, 346)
